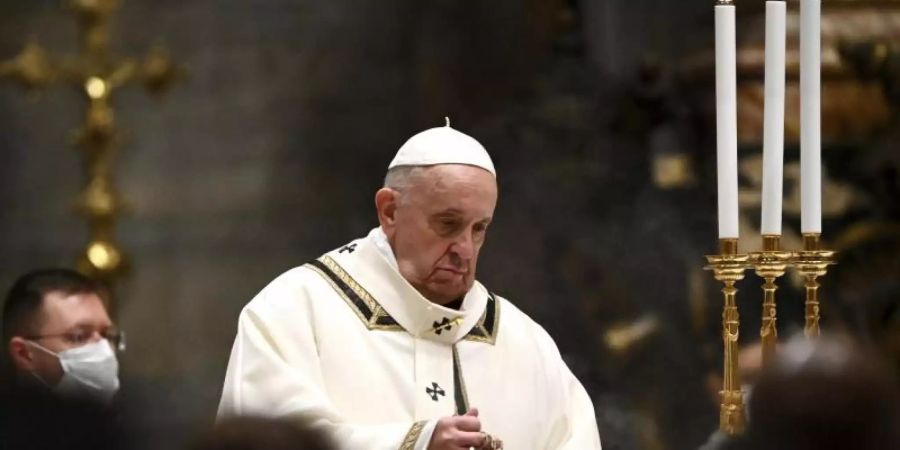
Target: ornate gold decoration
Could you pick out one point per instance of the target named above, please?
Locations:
(409, 441)
(812, 263)
(97, 73)
(374, 317)
(728, 267)
(770, 264)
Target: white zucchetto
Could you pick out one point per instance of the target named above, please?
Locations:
(443, 145)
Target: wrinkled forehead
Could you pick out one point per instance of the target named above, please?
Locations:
(455, 186)
(454, 178)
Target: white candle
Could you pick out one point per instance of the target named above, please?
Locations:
(773, 125)
(726, 121)
(810, 117)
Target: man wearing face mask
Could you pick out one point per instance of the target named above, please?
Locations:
(389, 342)
(59, 336)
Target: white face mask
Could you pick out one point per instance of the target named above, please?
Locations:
(91, 370)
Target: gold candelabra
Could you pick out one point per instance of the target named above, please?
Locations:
(728, 267)
(96, 73)
(769, 264)
(812, 262)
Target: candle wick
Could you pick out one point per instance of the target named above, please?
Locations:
(448, 121)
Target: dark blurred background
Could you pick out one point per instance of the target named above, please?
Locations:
(599, 117)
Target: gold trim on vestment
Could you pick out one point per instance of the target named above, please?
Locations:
(409, 442)
(378, 312)
(488, 338)
(376, 309)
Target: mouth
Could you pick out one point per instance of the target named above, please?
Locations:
(452, 271)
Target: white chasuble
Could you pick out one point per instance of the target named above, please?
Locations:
(347, 343)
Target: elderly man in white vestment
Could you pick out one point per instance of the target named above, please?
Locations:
(389, 342)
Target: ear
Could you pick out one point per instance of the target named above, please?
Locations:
(386, 205)
(20, 353)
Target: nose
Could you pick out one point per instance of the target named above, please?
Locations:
(464, 246)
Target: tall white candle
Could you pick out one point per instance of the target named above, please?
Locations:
(810, 117)
(726, 121)
(773, 125)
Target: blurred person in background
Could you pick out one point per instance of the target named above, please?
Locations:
(828, 393)
(58, 335)
(259, 433)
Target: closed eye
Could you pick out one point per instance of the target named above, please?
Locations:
(446, 224)
(483, 225)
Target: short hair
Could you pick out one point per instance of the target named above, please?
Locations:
(400, 179)
(24, 300)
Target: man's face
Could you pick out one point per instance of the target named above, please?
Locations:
(437, 227)
(66, 321)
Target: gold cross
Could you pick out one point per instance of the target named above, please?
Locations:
(97, 73)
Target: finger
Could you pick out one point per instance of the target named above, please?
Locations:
(490, 443)
(472, 412)
(467, 423)
(469, 439)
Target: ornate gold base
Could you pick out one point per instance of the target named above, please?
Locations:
(731, 415)
(770, 264)
(728, 267)
(812, 263)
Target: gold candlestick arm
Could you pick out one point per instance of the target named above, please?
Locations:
(770, 264)
(812, 263)
(728, 267)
